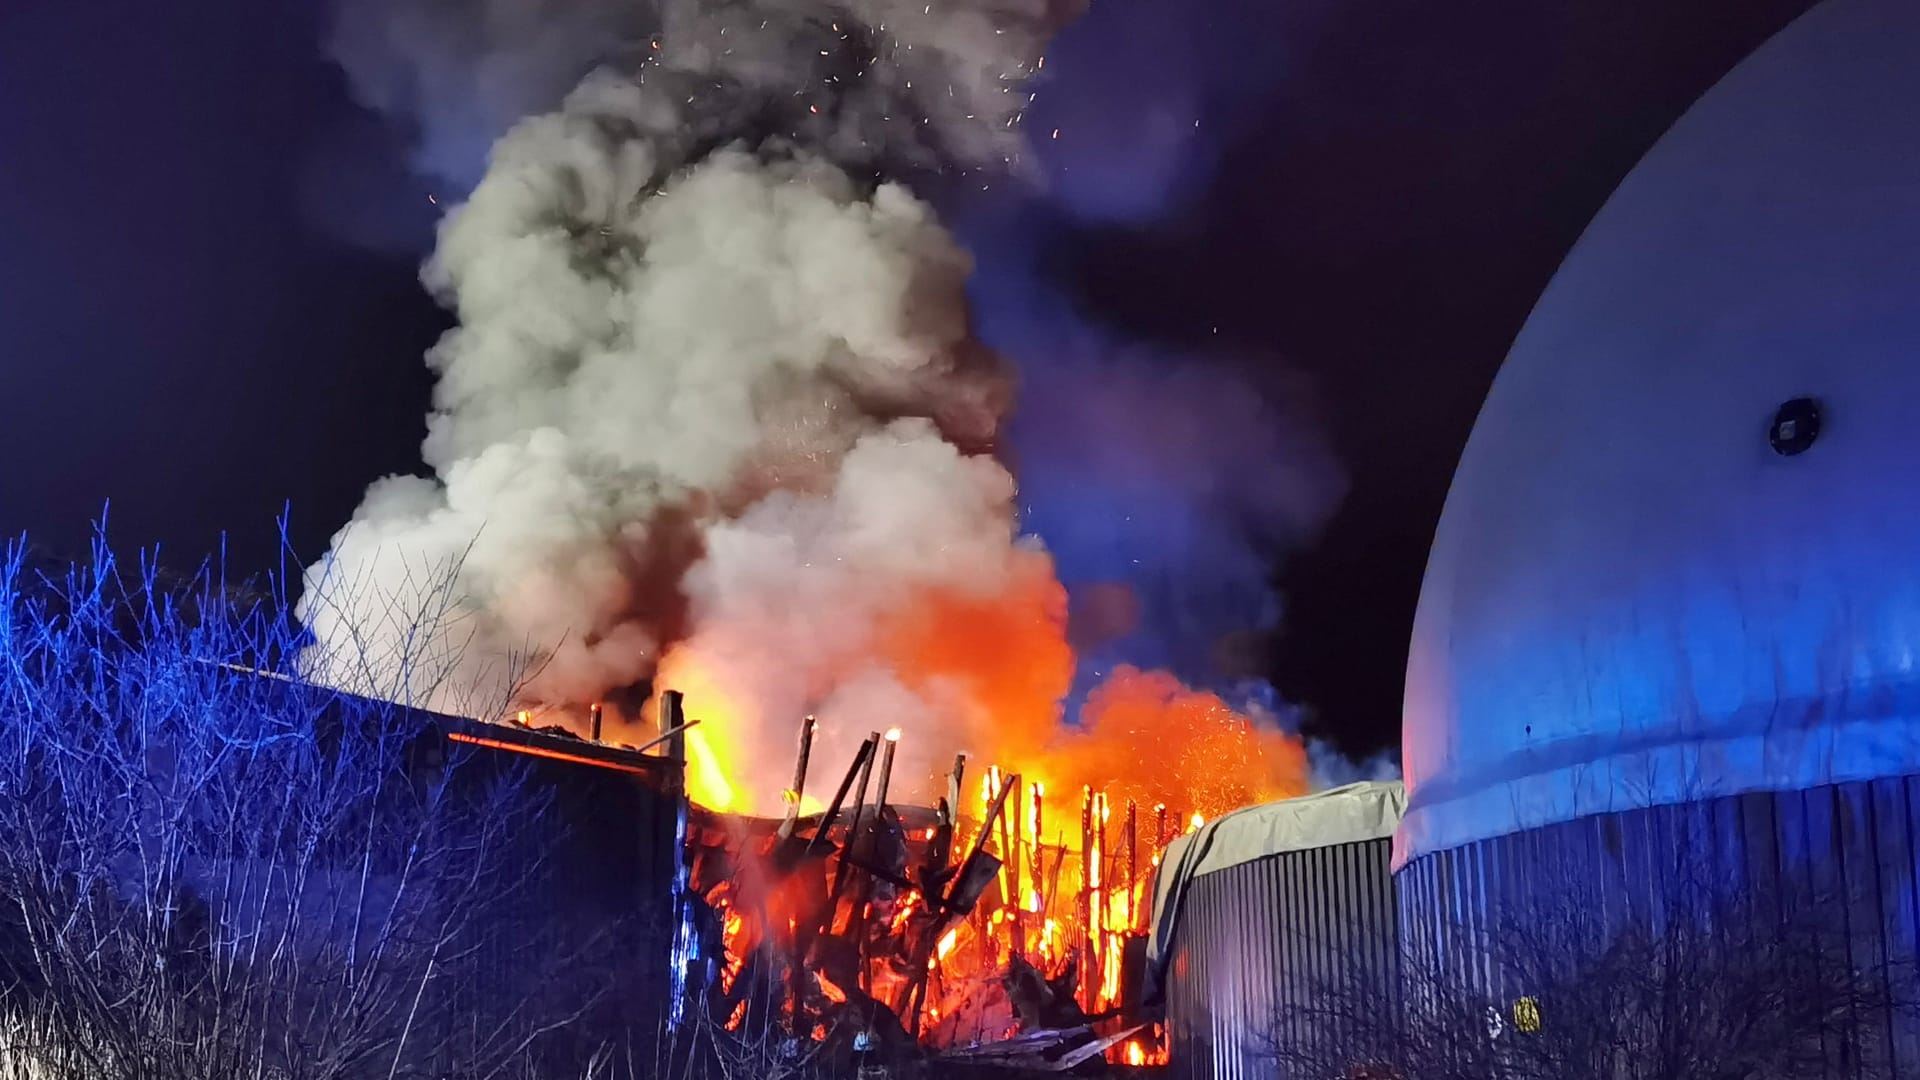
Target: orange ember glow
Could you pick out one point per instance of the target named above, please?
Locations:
(902, 912)
(733, 928)
(830, 988)
(1148, 739)
(540, 751)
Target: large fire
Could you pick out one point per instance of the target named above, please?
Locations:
(1143, 737)
(992, 671)
(1075, 817)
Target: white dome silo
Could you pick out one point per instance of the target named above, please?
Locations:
(1633, 600)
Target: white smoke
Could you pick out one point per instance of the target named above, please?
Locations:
(1332, 769)
(790, 600)
(459, 73)
(704, 377)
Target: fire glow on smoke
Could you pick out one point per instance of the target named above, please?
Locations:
(1142, 737)
(983, 675)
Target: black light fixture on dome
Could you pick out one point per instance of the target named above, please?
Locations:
(1795, 426)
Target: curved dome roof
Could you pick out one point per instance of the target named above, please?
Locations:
(1632, 599)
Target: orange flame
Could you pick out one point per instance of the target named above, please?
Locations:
(733, 930)
(991, 671)
(904, 911)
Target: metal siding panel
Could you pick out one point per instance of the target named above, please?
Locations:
(1866, 941)
(1894, 859)
(1855, 845)
(1258, 940)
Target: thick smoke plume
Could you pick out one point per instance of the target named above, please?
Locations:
(714, 417)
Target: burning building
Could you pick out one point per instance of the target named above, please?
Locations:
(1668, 625)
(715, 422)
(1007, 923)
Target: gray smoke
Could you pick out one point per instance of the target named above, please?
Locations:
(863, 82)
(712, 375)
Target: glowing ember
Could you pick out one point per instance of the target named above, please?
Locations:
(733, 926)
(903, 912)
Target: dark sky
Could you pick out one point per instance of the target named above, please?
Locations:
(208, 302)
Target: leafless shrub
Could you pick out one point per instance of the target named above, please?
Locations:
(207, 873)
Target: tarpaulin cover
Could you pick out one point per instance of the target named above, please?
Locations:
(1365, 811)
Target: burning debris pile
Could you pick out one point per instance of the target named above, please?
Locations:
(994, 928)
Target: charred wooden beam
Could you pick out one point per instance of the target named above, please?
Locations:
(795, 793)
(673, 724)
(886, 771)
(860, 759)
(840, 875)
(954, 784)
(977, 872)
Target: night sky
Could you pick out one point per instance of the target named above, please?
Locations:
(209, 309)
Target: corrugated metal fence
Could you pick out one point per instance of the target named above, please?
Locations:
(1844, 853)
(604, 895)
(1255, 943)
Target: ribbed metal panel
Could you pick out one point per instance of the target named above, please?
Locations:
(1255, 942)
(606, 842)
(1847, 851)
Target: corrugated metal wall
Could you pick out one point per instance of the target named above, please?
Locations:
(1255, 942)
(606, 888)
(1847, 852)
